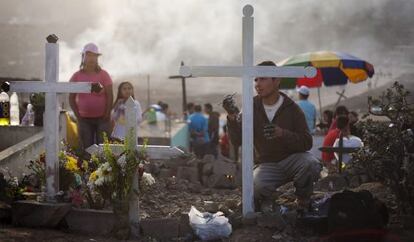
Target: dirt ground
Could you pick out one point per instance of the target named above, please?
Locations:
(169, 199)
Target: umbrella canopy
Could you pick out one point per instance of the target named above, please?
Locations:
(333, 68)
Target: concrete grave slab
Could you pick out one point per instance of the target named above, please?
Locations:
(90, 221)
(34, 214)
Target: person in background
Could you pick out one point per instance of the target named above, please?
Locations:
(339, 111)
(92, 110)
(307, 107)
(125, 90)
(161, 115)
(326, 122)
(164, 109)
(225, 143)
(187, 114)
(199, 132)
(189, 110)
(349, 140)
(213, 128)
(329, 140)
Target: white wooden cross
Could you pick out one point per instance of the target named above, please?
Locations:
(247, 72)
(153, 152)
(51, 87)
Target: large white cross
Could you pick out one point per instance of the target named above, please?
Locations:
(247, 72)
(51, 87)
(153, 152)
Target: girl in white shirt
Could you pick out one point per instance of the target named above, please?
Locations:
(125, 90)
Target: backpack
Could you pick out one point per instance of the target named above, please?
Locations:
(356, 210)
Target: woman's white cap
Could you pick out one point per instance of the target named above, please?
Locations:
(91, 47)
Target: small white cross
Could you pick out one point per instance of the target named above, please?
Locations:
(153, 152)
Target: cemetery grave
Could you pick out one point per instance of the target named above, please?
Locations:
(171, 181)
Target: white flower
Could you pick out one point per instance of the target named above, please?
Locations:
(99, 181)
(122, 161)
(98, 173)
(148, 179)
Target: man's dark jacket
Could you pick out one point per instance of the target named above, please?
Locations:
(295, 139)
(213, 127)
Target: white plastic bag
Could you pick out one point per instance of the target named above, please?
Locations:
(209, 226)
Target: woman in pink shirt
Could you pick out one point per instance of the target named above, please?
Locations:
(93, 110)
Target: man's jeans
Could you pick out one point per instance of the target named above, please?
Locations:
(91, 131)
(301, 168)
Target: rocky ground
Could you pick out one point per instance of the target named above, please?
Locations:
(177, 189)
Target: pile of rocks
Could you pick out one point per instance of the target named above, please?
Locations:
(210, 172)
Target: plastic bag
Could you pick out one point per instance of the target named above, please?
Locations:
(209, 226)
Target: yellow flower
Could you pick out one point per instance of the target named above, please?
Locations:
(85, 165)
(71, 164)
(93, 176)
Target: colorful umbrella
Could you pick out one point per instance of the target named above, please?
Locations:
(333, 68)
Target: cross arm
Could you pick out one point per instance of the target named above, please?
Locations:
(343, 150)
(155, 152)
(252, 71)
(57, 87)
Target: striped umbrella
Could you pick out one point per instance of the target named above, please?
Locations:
(333, 68)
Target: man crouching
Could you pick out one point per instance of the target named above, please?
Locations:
(281, 141)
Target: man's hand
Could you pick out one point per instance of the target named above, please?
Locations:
(272, 131)
(230, 105)
(232, 117)
(278, 131)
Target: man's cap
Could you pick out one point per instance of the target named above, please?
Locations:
(91, 47)
(304, 90)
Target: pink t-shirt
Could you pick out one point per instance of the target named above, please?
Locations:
(92, 105)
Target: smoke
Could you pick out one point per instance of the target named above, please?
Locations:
(152, 37)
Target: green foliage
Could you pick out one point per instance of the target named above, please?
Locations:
(38, 168)
(10, 188)
(387, 155)
(123, 167)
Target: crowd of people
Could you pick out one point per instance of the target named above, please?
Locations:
(283, 128)
(204, 130)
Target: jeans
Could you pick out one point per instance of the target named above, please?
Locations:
(301, 168)
(91, 131)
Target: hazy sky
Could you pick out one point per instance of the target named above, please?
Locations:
(139, 37)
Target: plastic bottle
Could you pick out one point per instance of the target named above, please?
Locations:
(28, 118)
(152, 116)
(4, 109)
(14, 109)
(31, 114)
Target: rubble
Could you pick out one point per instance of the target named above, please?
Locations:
(271, 220)
(164, 206)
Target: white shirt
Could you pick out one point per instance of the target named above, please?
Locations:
(351, 142)
(272, 109)
(118, 117)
